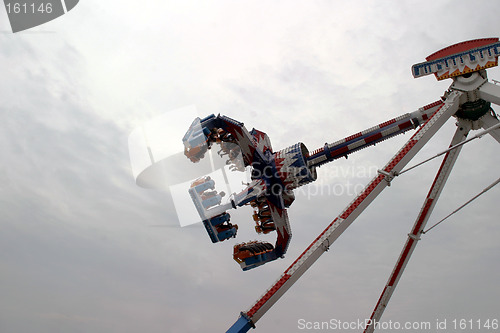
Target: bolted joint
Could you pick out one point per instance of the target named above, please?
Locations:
(389, 176)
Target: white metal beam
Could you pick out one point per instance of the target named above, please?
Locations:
(488, 121)
(414, 236)
(490, 92)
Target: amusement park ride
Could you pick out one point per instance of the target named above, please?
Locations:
(275, 174)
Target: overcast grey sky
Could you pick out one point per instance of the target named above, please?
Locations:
(78, 248)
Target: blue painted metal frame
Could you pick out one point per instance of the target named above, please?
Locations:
(243, 324)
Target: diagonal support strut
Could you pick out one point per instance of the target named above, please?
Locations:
(414, 236)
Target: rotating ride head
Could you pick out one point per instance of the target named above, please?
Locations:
(274, 175)
(466, 64)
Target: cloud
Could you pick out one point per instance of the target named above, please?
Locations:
(76, 249)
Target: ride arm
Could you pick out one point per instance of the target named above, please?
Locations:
(489, 120)
(283, 229)
(256, 253)
(371, 136)
(490, 92)
(203, 132)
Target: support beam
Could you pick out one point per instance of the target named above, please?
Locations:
(489, 121)
(414, 236)
(490, 92)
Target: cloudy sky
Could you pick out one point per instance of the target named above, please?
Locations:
(84, 249)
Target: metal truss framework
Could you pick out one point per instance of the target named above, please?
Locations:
(467, 88)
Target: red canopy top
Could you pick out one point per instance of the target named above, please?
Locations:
(461, 47)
